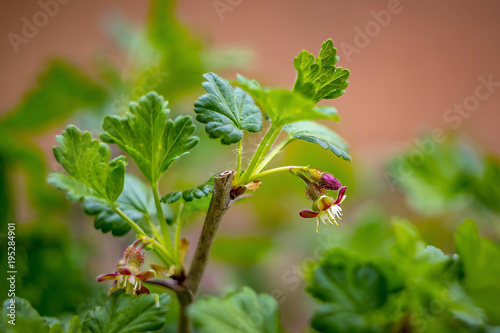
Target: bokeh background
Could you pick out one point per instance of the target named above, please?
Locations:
(413, 65)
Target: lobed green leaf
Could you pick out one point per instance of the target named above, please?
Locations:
(284, 106)
(123, 313)
(244, 311)
(227, 111)
(152, 140)
(91, 176)
(319, 78)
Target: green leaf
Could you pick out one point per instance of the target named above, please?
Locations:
(27, 319)
(61, 90)
(75, 325)
(91, 175)
(318, 78)
(136, 201)
(244, 311)
(351, 291)
(123, 313)
(313, 132)
(480, 258)
(152, 141)
(226, 111)
(204, 190)
(283, 106)
(341, 278)
(56, 328)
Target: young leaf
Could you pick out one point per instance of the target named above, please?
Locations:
(91, 175)
(320, 79)
(152, 141)
(123, 313)
(136, 202)
(227, 111)
(313, 132)
(26, 318)
(283, 106)
(204, 190)
(244, 311)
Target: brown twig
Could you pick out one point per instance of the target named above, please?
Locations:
(186, 290)
(218, 206)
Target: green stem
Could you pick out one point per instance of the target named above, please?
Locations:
(238, 161)
(161, 219)
(263, 148)
(280, 169)
(272, 154)
(131, 223)
(163, 254)
(156, 234)
(157, 248)
(178, 236)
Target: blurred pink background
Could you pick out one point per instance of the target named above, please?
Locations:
(404, 77)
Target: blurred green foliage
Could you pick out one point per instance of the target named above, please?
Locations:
(455, 176)
(408, 285)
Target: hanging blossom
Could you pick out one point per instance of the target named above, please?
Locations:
(324, 208)
(128, 274)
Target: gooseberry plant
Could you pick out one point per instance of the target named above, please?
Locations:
(379, 278)
(228, 110)
(123, 203)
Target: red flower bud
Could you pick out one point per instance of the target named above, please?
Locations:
(328, 182)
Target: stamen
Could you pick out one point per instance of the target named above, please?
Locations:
(332, 217)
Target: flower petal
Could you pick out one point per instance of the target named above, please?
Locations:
(341, 195)
(142, 290)
(124, 271)
(146, 275)
(308, 214)
(325, 202)
(108, 277)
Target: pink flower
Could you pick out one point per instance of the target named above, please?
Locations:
(325, 208)
(128, 275)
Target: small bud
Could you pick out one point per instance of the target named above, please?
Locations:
(134, 256)
(324, 180)
(328, 182)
